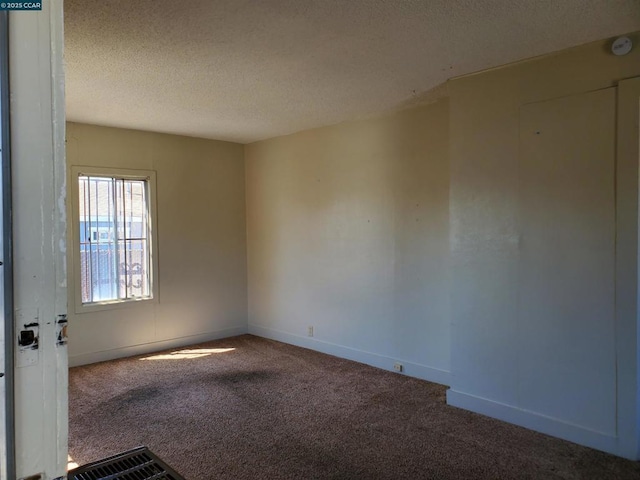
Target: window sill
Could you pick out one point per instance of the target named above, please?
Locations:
(114, 305)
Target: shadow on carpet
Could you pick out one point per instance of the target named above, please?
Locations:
(252, 408)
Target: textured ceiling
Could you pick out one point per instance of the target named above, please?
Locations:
(245, 70)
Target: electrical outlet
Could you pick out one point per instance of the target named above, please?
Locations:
(310, 331)
(398, 367)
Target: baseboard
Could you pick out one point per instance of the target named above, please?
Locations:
(380, 361)
(102, 356)
(535, 421)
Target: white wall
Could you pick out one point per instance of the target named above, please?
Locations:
(456, 239)
(348, 233)
(201, 239)
(423, 237)
(539, 330)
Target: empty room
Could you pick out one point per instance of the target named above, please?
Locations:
(363, 239)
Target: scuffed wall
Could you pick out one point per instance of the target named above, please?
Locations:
(348, 233)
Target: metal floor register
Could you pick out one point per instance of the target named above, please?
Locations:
(137, 464)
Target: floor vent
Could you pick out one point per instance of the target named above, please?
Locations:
(136, 464)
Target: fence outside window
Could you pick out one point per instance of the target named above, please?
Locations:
(114, 239)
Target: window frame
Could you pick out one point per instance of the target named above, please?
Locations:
(149, 176)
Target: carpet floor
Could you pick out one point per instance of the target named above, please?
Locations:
(251, 408)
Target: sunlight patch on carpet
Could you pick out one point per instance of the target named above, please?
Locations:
(188, 354)
(70, 463)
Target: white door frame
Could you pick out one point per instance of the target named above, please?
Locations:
(36, 84)
(628, 269)
(7, 430)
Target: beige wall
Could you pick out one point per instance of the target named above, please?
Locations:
(348, 233)
(544, 248)
(201, 242)
(448, 238)
(455, 239)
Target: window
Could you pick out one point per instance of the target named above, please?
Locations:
(114, 237)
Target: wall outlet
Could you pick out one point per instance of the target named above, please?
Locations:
(398, 367)
(310, 331)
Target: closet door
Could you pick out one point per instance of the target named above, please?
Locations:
(566, 289)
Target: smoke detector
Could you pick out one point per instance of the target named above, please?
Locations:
(621, 46)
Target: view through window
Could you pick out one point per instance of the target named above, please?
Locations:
(114, 239)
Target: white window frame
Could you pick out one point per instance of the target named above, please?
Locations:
(149, 176)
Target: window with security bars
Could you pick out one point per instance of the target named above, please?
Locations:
(115, 262)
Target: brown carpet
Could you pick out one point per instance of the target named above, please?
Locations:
(267, 410)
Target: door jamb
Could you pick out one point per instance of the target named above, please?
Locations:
(628, 269)
(7, 253)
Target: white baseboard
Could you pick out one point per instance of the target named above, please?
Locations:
(535, 421)
(380, 361)
(94, 357)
